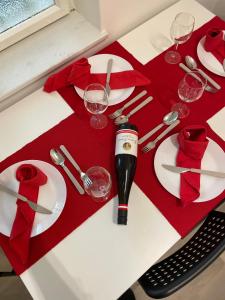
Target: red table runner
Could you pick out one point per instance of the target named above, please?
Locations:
(96, 147)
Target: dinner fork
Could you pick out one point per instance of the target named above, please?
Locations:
(84, 177)
(153, 143)
(118, 112)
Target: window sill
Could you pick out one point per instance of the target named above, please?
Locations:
(31, 59)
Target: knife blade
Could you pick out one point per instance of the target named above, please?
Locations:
(193, 170)
(108, 75)
(36, 207)
(224, 65)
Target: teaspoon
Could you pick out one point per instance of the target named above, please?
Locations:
(191, 63)
(59, 159)
(168, 119)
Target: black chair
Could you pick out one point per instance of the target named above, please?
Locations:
(7, 274)
(172, 273)
(128, 295)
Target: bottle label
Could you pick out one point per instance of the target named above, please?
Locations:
(126, 142)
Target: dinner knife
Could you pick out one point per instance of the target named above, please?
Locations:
(193, 170)
(36, 207)
(108, 75)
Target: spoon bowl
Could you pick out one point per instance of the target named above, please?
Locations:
(192, 64)
(121, 120)
(57, 157)
(170, 117)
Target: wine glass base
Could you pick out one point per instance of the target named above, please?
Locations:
(98, 121)
(182, 109)
(172, 57)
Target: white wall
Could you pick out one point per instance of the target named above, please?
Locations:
(216, 6)
(118, 17)
(121, 16)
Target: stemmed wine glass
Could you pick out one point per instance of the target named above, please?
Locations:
(180, 31)
(101, 185)
(96, 102)
(190, 89)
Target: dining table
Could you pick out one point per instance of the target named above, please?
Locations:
(85, 254)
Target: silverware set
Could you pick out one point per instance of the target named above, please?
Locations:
(191, 65)
(84, 177)
(59, 159)
(124, 118)
(117, 115)
(168, 119)
(119, 111)
(151, 145)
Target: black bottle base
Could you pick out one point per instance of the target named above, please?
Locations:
(122, 217)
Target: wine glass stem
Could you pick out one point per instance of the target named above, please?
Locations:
(176, 46)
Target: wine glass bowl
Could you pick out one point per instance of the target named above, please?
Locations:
(96, 102)
(180, 31)
(190, 89)
(101, 185)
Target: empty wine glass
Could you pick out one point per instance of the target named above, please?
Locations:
(96, 102)
(180, 31)
(190, 89)
(101, 185)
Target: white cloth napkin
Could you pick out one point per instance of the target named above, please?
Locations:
(217, 123)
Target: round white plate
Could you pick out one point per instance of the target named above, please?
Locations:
(99, 65)
(208, 60)
(210, 187)
(52, 195)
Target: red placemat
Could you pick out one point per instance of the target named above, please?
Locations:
(96, 147)
(90, 150)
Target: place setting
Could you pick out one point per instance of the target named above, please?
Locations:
(37, 196)
(188, 165)
(33, 195)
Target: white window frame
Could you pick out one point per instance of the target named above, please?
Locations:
(35, 23)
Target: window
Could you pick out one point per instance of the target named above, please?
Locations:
(20, 18)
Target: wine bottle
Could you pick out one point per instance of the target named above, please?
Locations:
(125, 159)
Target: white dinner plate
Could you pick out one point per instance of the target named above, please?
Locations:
(99, 65)
(208, 60)
(213, 159)
(52, 195)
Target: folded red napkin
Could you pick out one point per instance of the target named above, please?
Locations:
(192, 145)
(79, 74)
(30, 178)
(214, 43)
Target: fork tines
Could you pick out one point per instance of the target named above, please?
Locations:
(118, 112)
(148, 147)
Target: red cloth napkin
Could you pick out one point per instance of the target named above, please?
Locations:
(30, 178)
(214, 43)
(192, 145)
(79, 74)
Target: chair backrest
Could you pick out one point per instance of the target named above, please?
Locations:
(169, 275)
